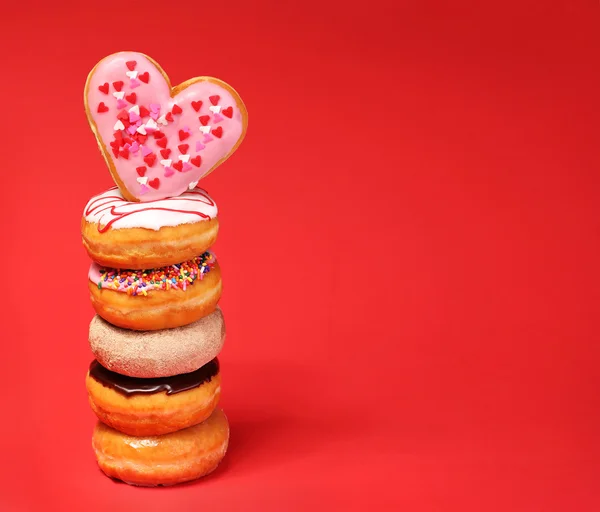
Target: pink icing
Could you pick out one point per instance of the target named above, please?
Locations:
(156, 98)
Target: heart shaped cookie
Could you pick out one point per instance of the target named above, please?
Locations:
(159, 141)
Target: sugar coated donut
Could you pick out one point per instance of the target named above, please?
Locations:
(162, 460)
(163, 353)
(162, 298)
(145, 407)
(121, 234)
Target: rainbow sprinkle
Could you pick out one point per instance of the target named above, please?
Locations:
(140, 282)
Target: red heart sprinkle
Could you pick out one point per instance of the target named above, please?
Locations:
(131, 64)
(214, 99)
(165, 153)
(169, 117)
(141, 170)
(176, 109)
(150, 159)
(183, 135)
(115, 152)
(123, 115)
(102, 107)
(158, 135)
(141, 138)
(144, 112)
(196, 160)
(154, 183)
(118, 85)
(131, 97)
(144, 77)
(124, 153)
(161, 143)
(178, 166)
(114, 144)
(183, 148)
(204, 120)
(196, 105)
(218, 132)
(227, 112)
(104, 88)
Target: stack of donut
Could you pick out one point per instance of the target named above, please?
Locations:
(155, 283)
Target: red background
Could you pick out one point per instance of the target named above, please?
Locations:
(409, 244)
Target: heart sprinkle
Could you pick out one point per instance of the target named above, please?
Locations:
(146, 151)
(183, 135)
(217, 118)
(187, 167)
(119, 95)
(184, 158)
(214, 99)
(176, 109)
(183, 147)
(150, 159)
(141, 170)
(131, 98)
(214, 110)
(192, 185)
(162, 142)
(166, 162)
(196, 160)
(169, 172)
(204, 120)
(131, 65)
(155, 183)
(143, 180)
(169, 117)
(165, 153)
(178, 166)
(121, 103)
(196, 105)
(199, 146)
(104, 88)
(119, 125)
(118, 85)
(144, 77)
(143, 111)
(132, 74)
(218, 132)
(204, 129)
(227, 112)
(134, 83)
(102, 108)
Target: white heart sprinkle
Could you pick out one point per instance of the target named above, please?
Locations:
(151, 124)
(162, 120)
(119, 125)
(205, 129)
(132, 74)
(192, 185)
(215, 108)
(119, 95)
(166, 163)
(143, 181)
(135, 109)
(185, 158)
(141, 130)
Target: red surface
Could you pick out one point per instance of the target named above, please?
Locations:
(409, 243)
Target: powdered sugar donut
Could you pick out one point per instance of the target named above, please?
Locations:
(161, 298)
(149, 354)
(121, 234)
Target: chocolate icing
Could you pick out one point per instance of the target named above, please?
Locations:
(135, 386)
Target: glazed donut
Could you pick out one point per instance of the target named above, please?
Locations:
(163, 298)
(120, 234)
(162, 460)
(149, 354)
(148, 407)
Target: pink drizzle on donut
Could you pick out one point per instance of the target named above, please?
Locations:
(113, 208)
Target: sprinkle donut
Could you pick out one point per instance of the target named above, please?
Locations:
(122, 234)
(160, 298)
(144, 407)
(162, 460)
